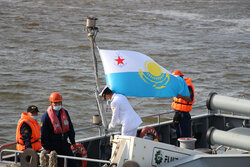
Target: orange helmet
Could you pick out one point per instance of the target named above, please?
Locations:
(55, 97)
(178, 73)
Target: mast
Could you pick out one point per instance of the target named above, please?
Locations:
(92, 31)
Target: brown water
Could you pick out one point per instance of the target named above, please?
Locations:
(43, 48)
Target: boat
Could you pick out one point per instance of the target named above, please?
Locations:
(220, 136)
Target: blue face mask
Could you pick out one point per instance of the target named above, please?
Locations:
(34, 117)
(57, 108)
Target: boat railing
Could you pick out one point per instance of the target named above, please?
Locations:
(7, 145)
(66, 158)
(215, 104)
(100, 128)
(16, 152)
(158, 115)
(91, 127)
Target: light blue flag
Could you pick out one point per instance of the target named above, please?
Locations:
(134, 74)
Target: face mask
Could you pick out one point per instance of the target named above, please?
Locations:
(34, 117)
(108, 101)
(57, 108)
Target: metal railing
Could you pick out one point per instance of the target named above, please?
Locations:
(158, 115)
(16, 152)
(91, 127)
(168, 112)
(58, 156)
(82, 159)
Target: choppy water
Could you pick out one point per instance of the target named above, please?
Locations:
(43, 48)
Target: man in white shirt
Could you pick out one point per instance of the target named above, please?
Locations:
(122, 113)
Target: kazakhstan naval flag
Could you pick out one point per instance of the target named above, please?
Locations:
(134, 74)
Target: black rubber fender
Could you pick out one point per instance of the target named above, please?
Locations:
(29, 158)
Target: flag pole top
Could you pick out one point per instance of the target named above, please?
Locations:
(91, 22)
(91, 26)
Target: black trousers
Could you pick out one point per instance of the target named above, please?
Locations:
(184, 127)
(65, 149)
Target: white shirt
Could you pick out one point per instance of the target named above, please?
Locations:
(123, 113)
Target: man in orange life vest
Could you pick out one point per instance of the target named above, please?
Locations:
(56, 128)
(28, 130)
(183, 105)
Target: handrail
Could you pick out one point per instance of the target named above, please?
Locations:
(59, 156)
(8, 150)
(100, 128)
(153, 115)
(83, 159)
(169, 112)
(146, 116)
(86, 128)
(6, 145)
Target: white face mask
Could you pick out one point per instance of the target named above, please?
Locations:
(57, 108)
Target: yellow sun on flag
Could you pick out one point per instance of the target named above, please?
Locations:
(153, 68)
(154, 75)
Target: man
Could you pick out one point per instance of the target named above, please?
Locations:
(183, 105)
(56, 128)
(28, 130)
(122, 113)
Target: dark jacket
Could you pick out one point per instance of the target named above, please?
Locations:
(52, 141)
(26, 134)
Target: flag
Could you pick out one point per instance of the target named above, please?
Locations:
(134, 74)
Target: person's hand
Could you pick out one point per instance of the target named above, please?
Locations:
(110, 127)
(74, 147)
(176, 119)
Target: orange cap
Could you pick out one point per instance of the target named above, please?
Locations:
(55, 97)
(178, 73)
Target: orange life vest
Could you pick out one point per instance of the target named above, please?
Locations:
(181, 105)
(35, 135)
(55, 122)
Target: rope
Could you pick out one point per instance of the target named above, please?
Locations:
(44, 159)
(52, 159)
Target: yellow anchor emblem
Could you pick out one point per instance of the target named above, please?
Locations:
(154, 75)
